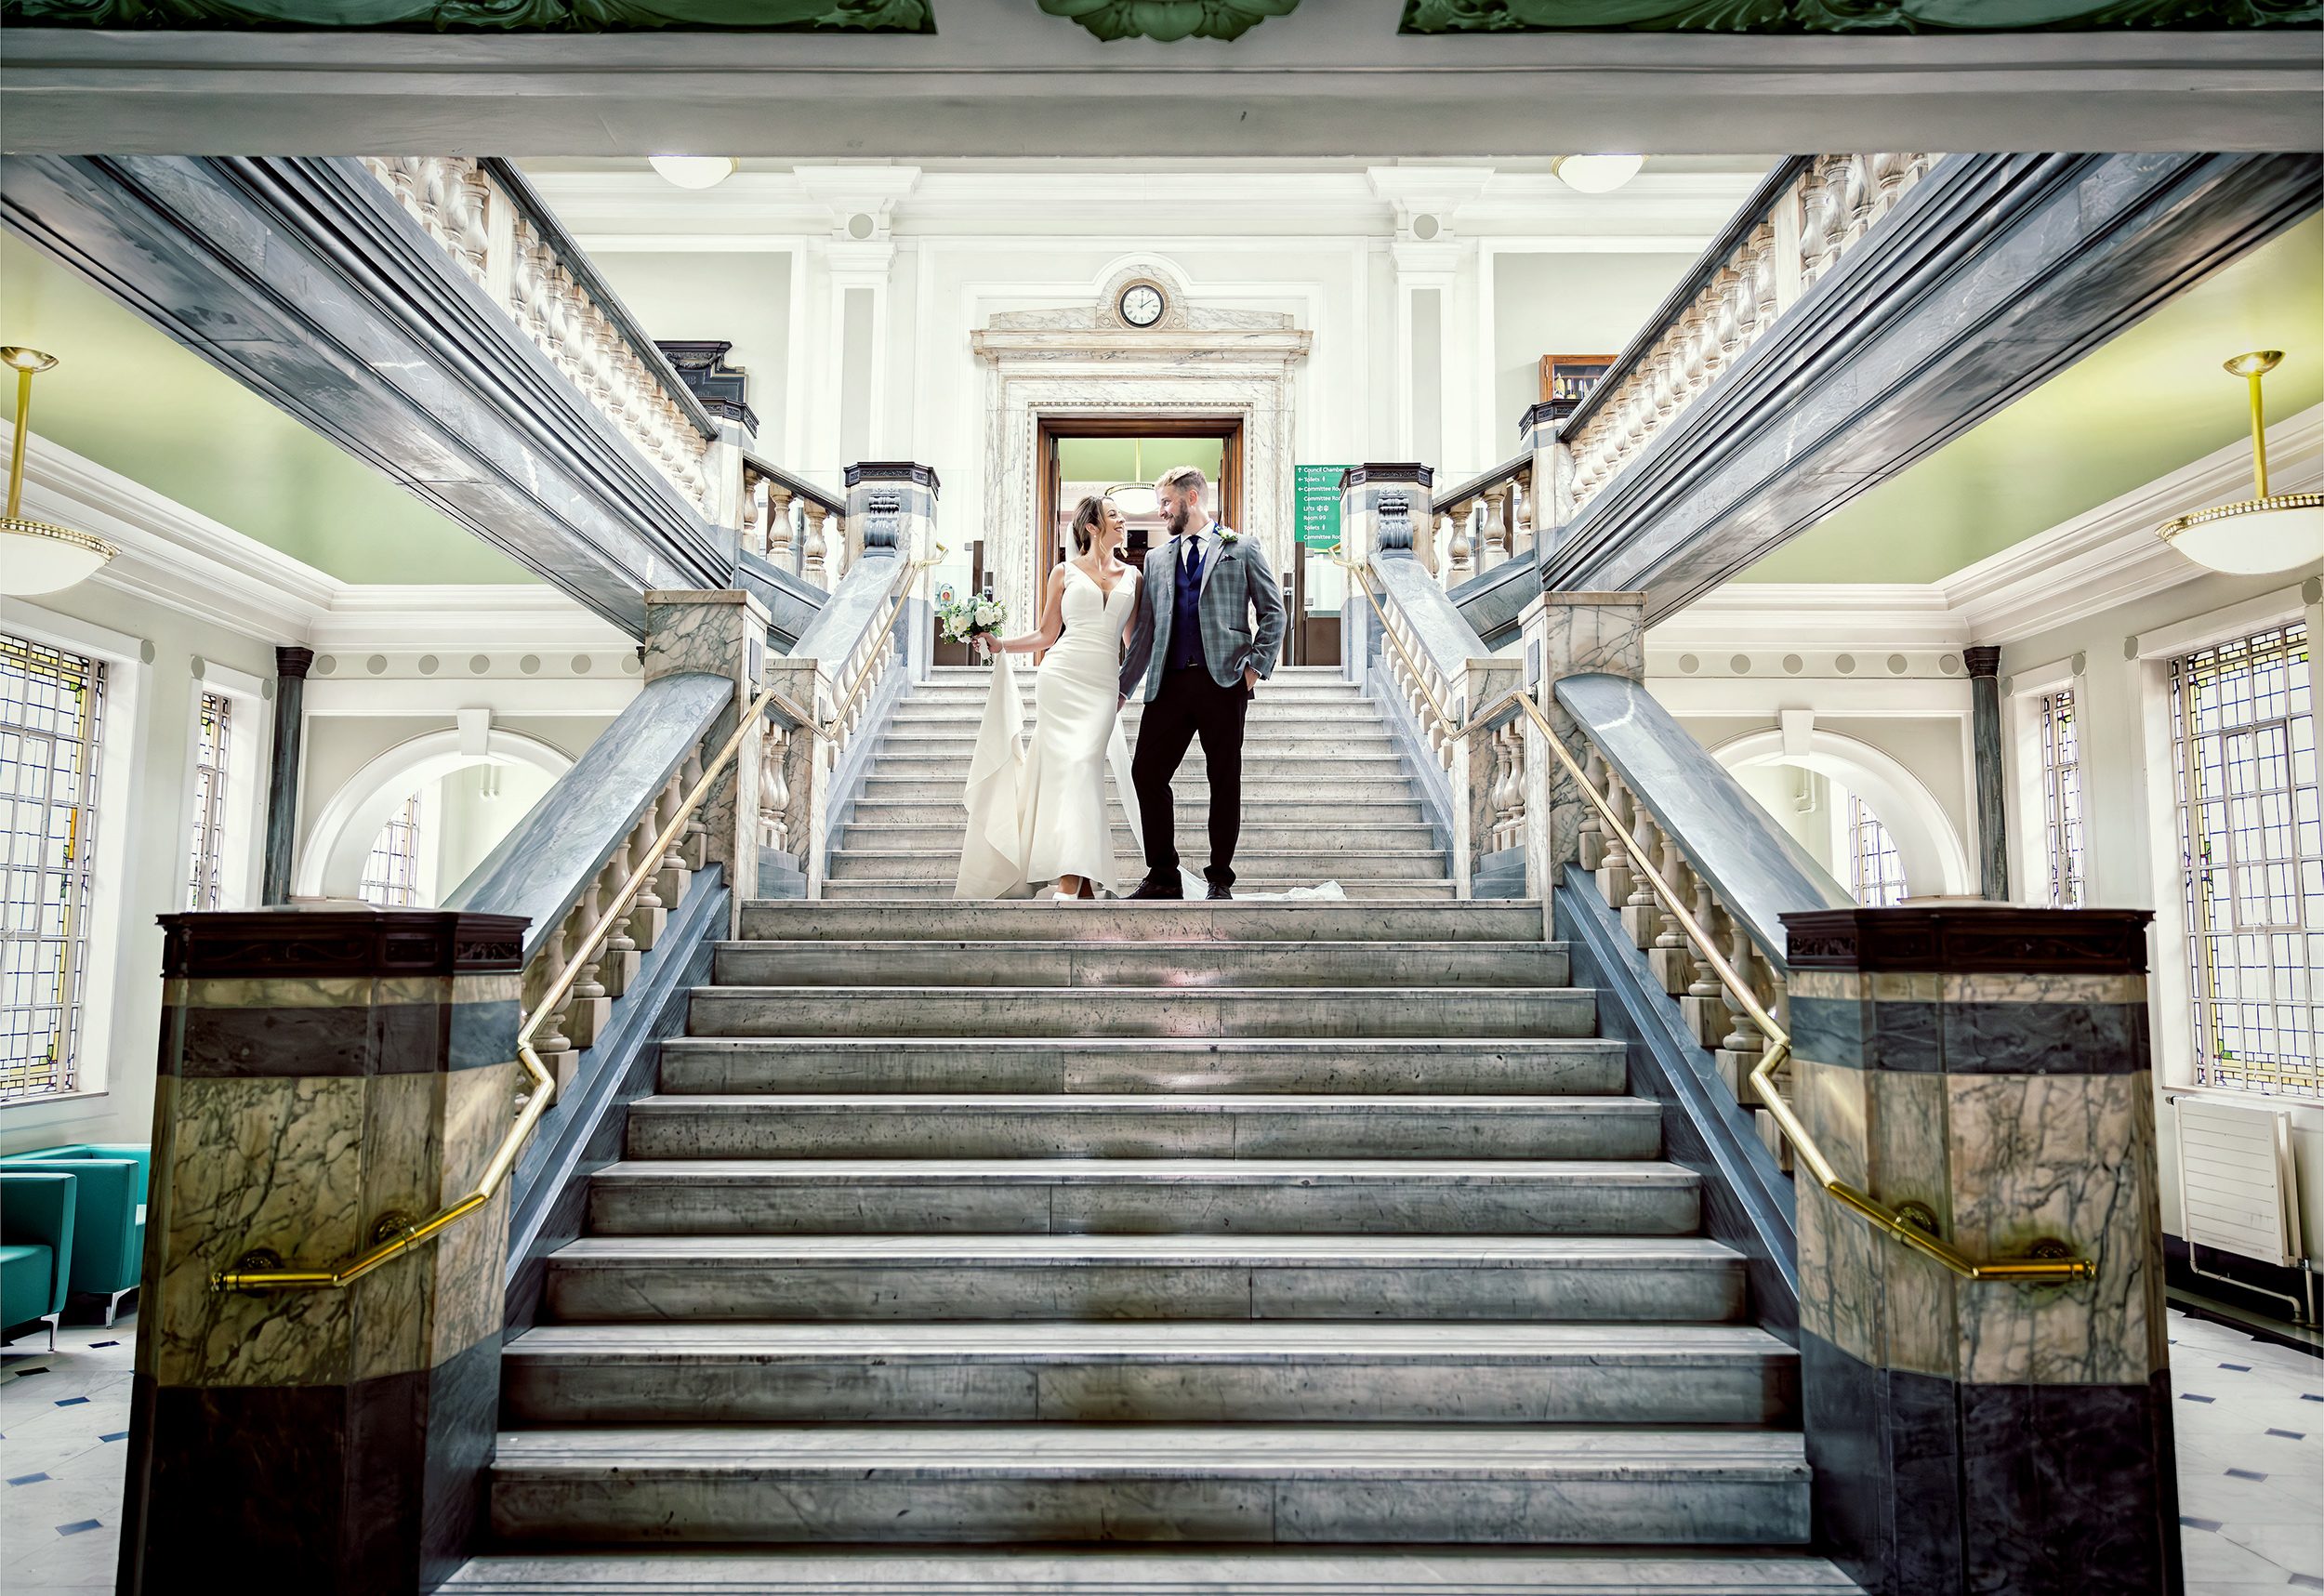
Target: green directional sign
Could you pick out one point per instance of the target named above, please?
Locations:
(1315, 497)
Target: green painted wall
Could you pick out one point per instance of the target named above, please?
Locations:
(2136, 409)
(128, 396)
(1136, 459)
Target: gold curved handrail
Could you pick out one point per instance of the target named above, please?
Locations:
(2054, 1264)
(1363, 575)
(829, 730)
(262, 1270)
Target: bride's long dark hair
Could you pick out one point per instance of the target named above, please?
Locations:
(1088, 521)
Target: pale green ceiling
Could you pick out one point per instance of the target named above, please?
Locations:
(128, 396)
(2139, 407)
(1135, 459)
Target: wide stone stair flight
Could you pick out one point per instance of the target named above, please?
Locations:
(1327, 796)
(1146, 1248)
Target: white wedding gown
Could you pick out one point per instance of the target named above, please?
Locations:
(1039, 815)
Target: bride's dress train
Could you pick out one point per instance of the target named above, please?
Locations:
(1038, 814)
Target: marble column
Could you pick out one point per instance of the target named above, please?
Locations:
(1569, 634)
(1987, 1070)
(326, 1075)
(291, 666)
(1985, 731)
(721, 632)
(1385, 509)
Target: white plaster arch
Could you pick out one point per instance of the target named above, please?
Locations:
(1935, 858)
(331, 865)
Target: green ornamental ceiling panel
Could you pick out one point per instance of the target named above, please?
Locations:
(2141, 406)
(128, 396)
(484, 16)
(1847, 16)
(1169, 20)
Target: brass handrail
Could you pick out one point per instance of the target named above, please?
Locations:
(829, 731)
(262, 1270)
(1363, 575)
(2055, 1266)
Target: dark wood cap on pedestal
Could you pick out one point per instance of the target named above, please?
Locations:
(1966, 940)
(339, 942)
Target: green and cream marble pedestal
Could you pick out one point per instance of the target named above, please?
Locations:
(1989, 1066)
(325, 1075)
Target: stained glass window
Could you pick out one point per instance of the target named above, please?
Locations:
(52, 704)
(210, 800)
(2062, 800)
(392, 874)
(1875, 876)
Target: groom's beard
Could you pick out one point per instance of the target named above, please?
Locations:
(1181, 518)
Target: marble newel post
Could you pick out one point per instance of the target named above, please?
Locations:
(1985, 731)
(291, 666)
(1383, 510)
(1986, 1069)
(326, 1077)
(892, 507)
(723, 632)
(1569, 634)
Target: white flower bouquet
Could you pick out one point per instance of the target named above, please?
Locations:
(961, 619)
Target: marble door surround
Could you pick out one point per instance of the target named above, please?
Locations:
(1086, 360)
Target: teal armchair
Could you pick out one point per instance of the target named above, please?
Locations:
(109, 1212)
(36, 1249)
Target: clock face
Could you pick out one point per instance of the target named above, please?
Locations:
(1141, 306)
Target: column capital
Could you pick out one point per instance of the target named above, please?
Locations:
(292, 660)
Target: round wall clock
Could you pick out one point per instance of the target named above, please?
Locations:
(1142, 305)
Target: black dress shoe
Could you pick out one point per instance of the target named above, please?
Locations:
(1218, 894)
(1153, 887)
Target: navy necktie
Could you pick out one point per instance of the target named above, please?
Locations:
(1190, 567)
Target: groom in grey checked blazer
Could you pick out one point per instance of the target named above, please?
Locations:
(1209, 628)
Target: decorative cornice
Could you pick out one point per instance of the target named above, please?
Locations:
(484, 16)
(1172, 22)
(1848, 16)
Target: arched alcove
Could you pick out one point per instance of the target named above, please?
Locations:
(1935, 858)
(331, 865)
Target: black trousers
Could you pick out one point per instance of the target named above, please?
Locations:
(1191, 706)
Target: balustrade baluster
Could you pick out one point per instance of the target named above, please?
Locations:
(1640, 917)
(1614, 873)
(1739, 1049)
(813, 564)
(774, 792)
(617, 966)
(1668, 957)
(1706, 1015)
(1496, 509)
(591, 1005)
(696, 845)
(1590, 834)
(1521, 517)
(1453, 530)
(675, 875)
(649, 913)
(551, 1042)
(778, 525)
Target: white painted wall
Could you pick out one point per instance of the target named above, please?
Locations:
(1566, 304)
(743, 297)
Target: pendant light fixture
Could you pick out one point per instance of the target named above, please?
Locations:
(34, 556)
(2265, 533)
(694, 171)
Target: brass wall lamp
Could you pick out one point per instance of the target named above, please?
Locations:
(2265, 533)
(36, 556)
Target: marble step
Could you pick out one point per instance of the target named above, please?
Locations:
(1417, 1571)
(1269, 716)
(1304, 742)
(1178, 965)
(1310, 817)
(1088, 1483)
(1515, 920)
(1261, 766)
(1055, 1012)
(941, 832)
(1283, 1372)
(939, 889)
(1316, 864)
(1143, 1196)
(866, 1278)
(1165, 1126)
(1284, 798)
(1562, 1066)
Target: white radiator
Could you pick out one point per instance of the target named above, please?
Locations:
(2237, 1189)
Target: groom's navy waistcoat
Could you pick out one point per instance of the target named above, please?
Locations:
(1186, 613)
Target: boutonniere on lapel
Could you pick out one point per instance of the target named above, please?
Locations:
(1229, 536)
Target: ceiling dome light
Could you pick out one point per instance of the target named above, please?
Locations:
(1596, 174)
(695, 171)
(2266, 532)
(34, 556)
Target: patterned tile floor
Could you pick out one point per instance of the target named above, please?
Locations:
(2250, 1427)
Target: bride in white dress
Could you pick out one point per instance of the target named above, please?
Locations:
(1043, 817)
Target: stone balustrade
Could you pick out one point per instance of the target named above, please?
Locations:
(484, 216)
(1484, 524)
(790, 523)
(1810, 213)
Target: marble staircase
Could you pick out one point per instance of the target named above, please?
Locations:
(1283, 1248)
(1327, 796)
